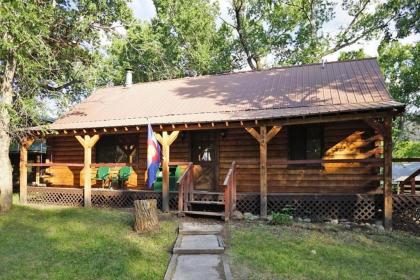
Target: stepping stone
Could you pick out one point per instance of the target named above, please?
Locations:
(199, 244)
(200, 228)
(193, 267)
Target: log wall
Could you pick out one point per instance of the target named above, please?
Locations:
(341, 140)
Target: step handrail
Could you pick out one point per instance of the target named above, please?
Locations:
(410, 180)
(230, 191)
(185, 187)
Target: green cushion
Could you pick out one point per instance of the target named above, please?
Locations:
(124, 173)
(102, 173)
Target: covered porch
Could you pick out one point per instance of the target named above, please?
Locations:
(244, 163)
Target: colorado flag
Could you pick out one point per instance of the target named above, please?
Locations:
(153, 156)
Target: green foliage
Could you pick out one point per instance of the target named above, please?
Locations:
(182, 40)
(294, 31)
(280, 219)
(400, 65)
(80, 244)
(406, 149)
(54, 45)
(352, 55)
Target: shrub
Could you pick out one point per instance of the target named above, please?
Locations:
(280, 219)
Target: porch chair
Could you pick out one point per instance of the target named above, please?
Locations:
(123, 174)
(103, 174)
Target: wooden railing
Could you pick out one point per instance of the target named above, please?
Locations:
(185, 187)
(230, 191)
(410, 180)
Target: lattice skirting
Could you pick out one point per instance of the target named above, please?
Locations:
(55, 196)
(324, 207)
(316, 207)
(404, 202)
(122, 198)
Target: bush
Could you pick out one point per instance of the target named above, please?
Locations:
(280, 219)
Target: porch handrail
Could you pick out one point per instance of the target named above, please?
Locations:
(49, 164)
(230, 191)
(410, 180)
(185, 187)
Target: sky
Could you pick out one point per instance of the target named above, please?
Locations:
(145, 10)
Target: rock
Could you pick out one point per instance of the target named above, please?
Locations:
(380, 228)
(313, 252)
(299, 220)
(250, 217)
(237, 215)
(378, 223)
(334, 221)
(306, 220)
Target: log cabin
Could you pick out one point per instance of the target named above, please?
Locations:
(313, 138)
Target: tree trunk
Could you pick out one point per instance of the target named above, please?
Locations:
(6, 97)
(145, 215)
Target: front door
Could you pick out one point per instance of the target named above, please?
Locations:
(205, 156)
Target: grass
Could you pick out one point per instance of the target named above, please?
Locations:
(70, 243)
(320, 252)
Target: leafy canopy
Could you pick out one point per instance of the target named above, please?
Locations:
(54, 46)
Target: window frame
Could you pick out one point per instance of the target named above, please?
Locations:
(321, 136)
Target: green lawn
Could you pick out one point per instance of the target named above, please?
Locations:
(80, 244)
(284, 252)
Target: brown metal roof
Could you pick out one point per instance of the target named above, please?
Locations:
(276, 93)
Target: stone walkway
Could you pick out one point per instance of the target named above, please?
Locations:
(199, 254)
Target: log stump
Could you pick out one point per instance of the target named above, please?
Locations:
(145, 215)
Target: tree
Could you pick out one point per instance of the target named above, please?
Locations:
(181, 40)
(400, 65)
(293, 30)
(47, 50)
(351, 55)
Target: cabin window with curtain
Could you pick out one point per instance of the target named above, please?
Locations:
(114, 148)
(305, 142)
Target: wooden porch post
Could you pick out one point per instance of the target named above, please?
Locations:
(263, 138)
(87, 142)
(263, 172)
(388, 173)
(165, 141)
(23, 170)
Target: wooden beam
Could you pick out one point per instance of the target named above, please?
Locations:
(172, 137)
(263, 138)
(254, 133)
(273, 132)
(87, 143)
(263, 172)
(376, 125)
(166, 141)
(159, 138)
(388, 172)
(23, 170)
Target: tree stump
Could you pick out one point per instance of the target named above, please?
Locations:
(145, 215)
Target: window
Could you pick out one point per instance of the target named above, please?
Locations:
(305, 142)
(114, 148)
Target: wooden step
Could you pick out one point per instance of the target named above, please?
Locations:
(205, 213)
(198, 202)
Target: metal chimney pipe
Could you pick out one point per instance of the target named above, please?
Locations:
(128, 78)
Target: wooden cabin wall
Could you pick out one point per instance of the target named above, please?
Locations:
(67, 149)
(64, 150)
(341, 140)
